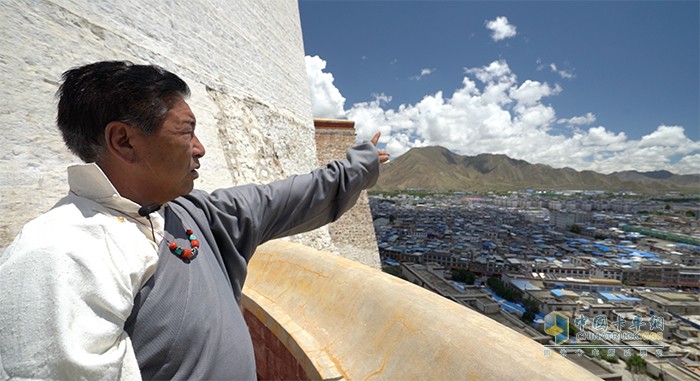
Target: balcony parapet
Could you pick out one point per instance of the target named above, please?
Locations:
(315, 315)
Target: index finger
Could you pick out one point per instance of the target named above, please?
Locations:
(375, 138)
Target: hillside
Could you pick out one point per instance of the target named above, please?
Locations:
(437, 169)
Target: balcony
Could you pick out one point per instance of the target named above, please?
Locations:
(315, 315)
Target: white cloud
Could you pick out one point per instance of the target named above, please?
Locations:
(666, 136)
(423, 73)
(688, 164)
(326, 100)
(562, 73)
(540, 65)
(493, 112)
(599, 136)
(566, 74)
(495, 71)
(382, 98)
(531, 92)
(500, 28)
(583, 120)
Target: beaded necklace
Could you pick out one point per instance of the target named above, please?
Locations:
(186, 255)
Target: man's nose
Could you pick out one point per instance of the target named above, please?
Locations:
(198, 149)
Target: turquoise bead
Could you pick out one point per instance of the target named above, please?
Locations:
(192, 237)
(178, 251)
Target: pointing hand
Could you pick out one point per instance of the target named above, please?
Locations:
(383, 155)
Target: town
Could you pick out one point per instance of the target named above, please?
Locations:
(618, 273)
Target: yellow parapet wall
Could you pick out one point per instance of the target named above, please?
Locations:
(344, 320)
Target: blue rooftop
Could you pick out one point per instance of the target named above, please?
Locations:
(689, 246)
(601, 247)
(558, 292)
(617, 297)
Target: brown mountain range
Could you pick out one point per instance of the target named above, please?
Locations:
(437, 169)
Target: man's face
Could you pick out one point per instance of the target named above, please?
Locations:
(170, 156)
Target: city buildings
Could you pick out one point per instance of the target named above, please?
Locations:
(583, 256)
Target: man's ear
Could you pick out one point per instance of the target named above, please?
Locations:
(119, 141)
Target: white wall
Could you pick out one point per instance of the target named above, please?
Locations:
(243, 59)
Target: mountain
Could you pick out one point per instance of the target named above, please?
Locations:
(666, 176)
(438, 169)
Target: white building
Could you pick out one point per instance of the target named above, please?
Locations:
(243, 60)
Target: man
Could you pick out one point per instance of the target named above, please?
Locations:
(134, 274)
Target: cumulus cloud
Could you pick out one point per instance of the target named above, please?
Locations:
(583, 120)
(531, 92)
(500, 28)
(600, 137)
(492, 111)
(688, 164)
(326, 100)
(423, 73)
(666, 136)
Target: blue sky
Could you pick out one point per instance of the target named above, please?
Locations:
(601, 85)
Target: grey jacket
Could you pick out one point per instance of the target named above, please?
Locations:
(186, 322)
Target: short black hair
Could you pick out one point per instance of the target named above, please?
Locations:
(96, 94)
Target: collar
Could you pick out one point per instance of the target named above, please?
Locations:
(90, 182)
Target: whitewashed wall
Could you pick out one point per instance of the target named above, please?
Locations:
(243, 59)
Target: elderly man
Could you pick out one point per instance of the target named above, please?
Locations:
(134, 274)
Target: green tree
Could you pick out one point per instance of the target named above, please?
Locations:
(461, 275)
(636, 364)
(531, 309)
(493, 283)
(575, 229)
(499, 288)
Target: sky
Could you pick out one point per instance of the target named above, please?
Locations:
(592, 85)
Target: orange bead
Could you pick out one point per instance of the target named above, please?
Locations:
(194, 243)
(186, 254)
(173, 246)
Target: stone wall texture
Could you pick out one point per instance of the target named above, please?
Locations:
(353, 234)
(243, 59)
